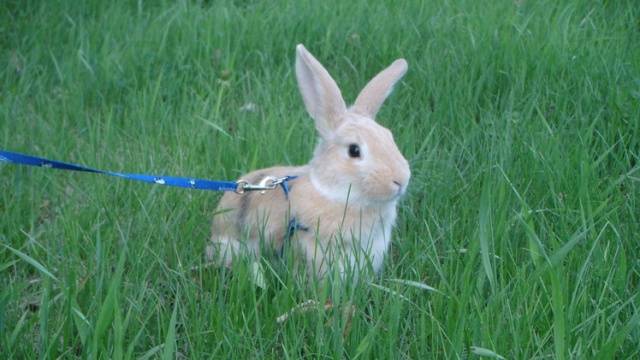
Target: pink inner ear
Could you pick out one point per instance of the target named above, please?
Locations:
(320, 92)
(379, 88)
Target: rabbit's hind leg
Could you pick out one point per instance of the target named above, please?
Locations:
(224, 249)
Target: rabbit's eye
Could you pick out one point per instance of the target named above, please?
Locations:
(354, 151)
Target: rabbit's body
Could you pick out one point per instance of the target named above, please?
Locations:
(353, 234)
(343, 203)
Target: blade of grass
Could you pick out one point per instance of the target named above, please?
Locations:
(613, 345)
(559, 317)
(45, 305)
(33, 262)
(109, 307)
(170, 341)
(485, 235)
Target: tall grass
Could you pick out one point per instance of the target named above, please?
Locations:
(518, 238)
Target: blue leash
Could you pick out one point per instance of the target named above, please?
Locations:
(189, 183)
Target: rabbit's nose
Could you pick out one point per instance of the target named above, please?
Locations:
(399, 185)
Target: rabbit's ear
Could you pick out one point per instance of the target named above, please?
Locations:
(320, 93)
(373, 95)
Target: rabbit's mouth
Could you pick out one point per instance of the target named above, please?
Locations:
(400, 193)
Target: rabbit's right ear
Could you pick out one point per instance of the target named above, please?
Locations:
(373, 95)
(320, 93)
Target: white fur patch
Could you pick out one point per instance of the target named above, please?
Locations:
(380, 238)
(328, 193)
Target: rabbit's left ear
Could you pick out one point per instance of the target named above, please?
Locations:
(373, 95)
(320, 92)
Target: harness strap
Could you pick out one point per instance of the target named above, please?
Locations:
(294, 226)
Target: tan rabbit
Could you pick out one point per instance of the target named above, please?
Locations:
(342, 205)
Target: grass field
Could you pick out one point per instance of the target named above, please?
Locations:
(521, 121)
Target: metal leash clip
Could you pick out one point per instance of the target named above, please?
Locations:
(267, 183)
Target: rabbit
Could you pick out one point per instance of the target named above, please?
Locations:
(341, 206)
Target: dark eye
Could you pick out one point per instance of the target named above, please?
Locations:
(354, 151)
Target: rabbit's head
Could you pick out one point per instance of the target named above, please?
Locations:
(356, 158)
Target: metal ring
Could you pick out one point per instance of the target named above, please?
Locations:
(241, 184)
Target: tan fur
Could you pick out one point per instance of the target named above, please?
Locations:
(346, 205)
(372, 96)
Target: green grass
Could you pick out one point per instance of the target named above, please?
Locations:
(521, 120)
